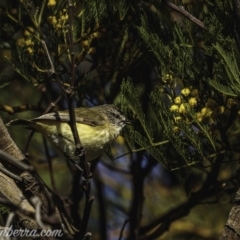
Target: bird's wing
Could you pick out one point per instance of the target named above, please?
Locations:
(83, 115)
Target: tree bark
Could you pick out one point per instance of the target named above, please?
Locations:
(8, 187)
(232, 228)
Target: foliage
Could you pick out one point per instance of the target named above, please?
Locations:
(175, 79)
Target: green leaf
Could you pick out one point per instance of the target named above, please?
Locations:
(134, 136)
(222, 88)
(129, 97)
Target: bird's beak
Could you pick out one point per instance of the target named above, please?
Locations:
(128, 122)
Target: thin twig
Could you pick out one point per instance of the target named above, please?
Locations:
(50, 166)
(53, 104)
(87, 209)
(122, 229)
(38, 205)
(72, 116)
(101, 206)
(52, 69)
(52, 220)
(19, 164)
(30, 135)
(185, 13)
(79, 148)
(76, 196)
(135, 215)
(10, 174)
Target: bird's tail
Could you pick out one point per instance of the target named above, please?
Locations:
(20, 122)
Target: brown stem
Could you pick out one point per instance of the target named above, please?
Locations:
(79, 148)
(185, 13)
(53, 184)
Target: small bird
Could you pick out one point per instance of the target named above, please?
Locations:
(97, 128)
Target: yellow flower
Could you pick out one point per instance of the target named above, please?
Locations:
(178, 100)
(199, 117)
(85, 44)
(21, 42)
(92, 50)
(220, 110)
(51, 3)
(203, 111)
(96, 35)
(182, 108)
(185, 92)
(52, 20)
(29, 42)
(64, 17)
(167, 78)
(192, 101)
(207, 112)
(28, 31)
(231, 101)
(174, 108)
(176, 129)
(58, 26)
(178, 118)
(30, 50)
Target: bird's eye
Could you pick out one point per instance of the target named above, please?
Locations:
(115, 114)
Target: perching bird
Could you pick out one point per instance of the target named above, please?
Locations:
(97, 128)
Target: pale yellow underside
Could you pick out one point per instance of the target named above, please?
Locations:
(93, 139)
